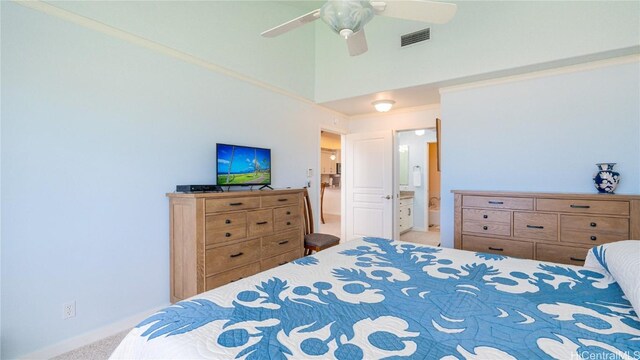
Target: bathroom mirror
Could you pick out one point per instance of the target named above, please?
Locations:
(404, 165)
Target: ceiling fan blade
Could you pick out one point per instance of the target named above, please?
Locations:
(418, 10)
(292, 24)
(357, 43)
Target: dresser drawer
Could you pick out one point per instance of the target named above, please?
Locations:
(230, 276)
(609, 207)
(591, 238)
(230, 256)
(498, 202)
(487, 215)
(592, 230)
(225, 227)
(260, 222)
(281, 243)
(280, 200)
(535, 226)
(513, 248)
(270, 263)
(594, 223)
(286, 218)
(486, 227)
(561, 254)
(217, 205)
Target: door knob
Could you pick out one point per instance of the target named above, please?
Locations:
(386, 197)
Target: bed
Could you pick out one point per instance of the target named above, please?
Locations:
(375, 298)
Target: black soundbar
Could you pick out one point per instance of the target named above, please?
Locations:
(198, 188)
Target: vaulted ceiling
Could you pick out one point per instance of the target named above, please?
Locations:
(486, 39)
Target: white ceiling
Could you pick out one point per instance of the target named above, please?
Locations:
(404, 98)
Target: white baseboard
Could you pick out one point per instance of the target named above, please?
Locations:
(91, 336)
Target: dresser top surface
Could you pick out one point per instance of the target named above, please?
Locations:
(226, 194)
(555, 195)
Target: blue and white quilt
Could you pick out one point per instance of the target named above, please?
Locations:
(375, 298)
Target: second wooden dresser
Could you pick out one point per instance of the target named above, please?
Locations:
(543, 226)
(218, 238)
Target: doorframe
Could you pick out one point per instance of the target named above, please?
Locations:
(318, 176)
(396, 180)
(396, 184)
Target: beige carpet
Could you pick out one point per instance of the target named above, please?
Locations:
(99, 350)
(422, 237)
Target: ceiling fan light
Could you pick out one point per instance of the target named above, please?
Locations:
(345, 14)
(383, 105)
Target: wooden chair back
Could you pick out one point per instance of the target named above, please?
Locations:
(322, 187)
(308, 214)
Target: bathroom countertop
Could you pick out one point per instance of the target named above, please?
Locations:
(407, 194)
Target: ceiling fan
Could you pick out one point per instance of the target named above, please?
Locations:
(348, 17)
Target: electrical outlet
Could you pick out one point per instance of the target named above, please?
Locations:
(69, 310)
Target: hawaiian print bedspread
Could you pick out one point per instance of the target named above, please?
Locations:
(376, 298)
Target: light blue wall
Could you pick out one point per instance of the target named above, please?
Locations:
(94, 132)
(542, 134)
(483, 37)
(226, 33)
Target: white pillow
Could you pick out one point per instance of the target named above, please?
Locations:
(622, 260)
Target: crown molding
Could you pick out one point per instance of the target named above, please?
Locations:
(627, 59)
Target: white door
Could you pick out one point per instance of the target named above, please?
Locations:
(369, 185)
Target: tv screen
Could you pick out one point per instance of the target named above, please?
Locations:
(243, 165)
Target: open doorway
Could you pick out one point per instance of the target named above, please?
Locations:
(330, 183)
(418, 187)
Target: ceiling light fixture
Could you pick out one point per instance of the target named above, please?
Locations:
(383, 105)
(420, 132)
(346, 17)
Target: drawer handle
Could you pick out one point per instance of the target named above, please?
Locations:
(593, 224)
(576, 259)
(227, 221)
(283, 242)
(535, 227)
(580, 206)
(282, 263)
(485, 227)
(235, 204)
(227, 235)
(281, 200)
(288, 212)
(236, 255)
(240, 278)
(485, 216)
(262, 222)
(593, 238)
(288, 222)
(496, 202)
(496, 249)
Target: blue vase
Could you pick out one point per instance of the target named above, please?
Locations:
(606, 180)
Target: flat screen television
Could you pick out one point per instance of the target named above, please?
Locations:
(242, 165)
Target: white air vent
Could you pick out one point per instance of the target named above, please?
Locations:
(415, 37)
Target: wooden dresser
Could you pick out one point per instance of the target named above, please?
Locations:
(543, 226)
(218, 238)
